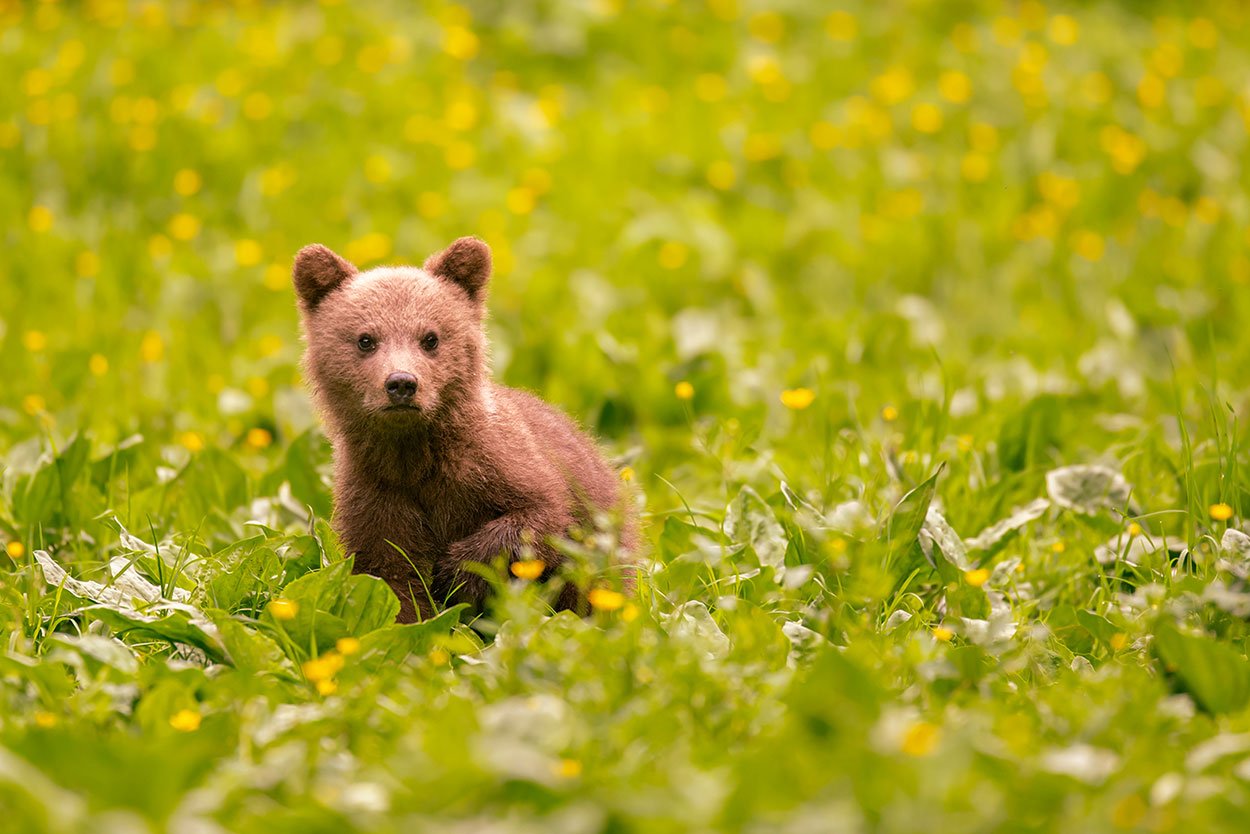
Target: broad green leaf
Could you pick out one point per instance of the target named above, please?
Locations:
(1215, 674)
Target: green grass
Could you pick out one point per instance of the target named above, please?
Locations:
(991, 243)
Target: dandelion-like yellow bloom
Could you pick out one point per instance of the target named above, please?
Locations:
(528, 569)
(942, 634)
(283, 608)
(684, 390)
(797, 399)
(151, 347)
(976, 578)
(889, 414)
(1058, 547)
(323, 668)
(184, 226)
(1089, 245)
(1063, 30)
(841, 26)
(769, 27)
(45, 720)
(34, 340)
(460, 43)
(327, 687)
(34, 404)
(721, 175)
(602, 599)
(974, 167)
(347, 645)
(568, 769)
(520, 201)
(1118, 641)
(40, 219)
(87, 264)
(954, 86)
(259, 438)
(192, 441)
(248, 252)
(1134, 529)
(920, 739)
(15, 549)
(187, 182)
(630, 612)
(627, 474)
(185, 720)
(1221, 512)
(440, 657)
(673, 255)
(926, 118)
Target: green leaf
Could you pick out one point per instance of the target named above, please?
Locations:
(750, 521)
(1215, 674)
(1029, 433)
(395, 643)
(250, 650)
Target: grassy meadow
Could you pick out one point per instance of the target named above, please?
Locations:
(919, 327)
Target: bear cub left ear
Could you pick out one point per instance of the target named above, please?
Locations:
(317, 272)
(465, 263)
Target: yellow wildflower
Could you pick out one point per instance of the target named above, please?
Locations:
(721, 175)
(324, 667)
(15, 549)
(976, 578)
(673, 255)
(40, 219)
(45, 720)
(259, 438)
(185, 720)
(151, 347)
(347, 645)
(184, 226)
(528, 569)
(942, 634)
(34, 340)
(841, 26)
(921, 739)
(684, 390)
(568, 769)
(248, 252)
(797, 398)
(602, 599)
(283, 608)
(1221, 512)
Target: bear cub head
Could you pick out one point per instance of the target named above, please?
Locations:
(393, 347)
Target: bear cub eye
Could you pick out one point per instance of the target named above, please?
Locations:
(367, 344)
(429, 342)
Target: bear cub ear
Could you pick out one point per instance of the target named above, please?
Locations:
(317, 272)
(465, 263)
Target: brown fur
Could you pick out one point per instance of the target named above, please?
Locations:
(476, 469)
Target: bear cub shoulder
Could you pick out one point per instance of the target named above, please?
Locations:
(437, 467)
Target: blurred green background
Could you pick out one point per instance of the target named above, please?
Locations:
(831, 281)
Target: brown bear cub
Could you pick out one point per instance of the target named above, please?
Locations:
(437, 467)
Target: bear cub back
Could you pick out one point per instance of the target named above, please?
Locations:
(437, 467)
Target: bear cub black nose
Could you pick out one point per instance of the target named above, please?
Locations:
(401, 388)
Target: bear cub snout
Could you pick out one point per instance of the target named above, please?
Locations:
(437, 466)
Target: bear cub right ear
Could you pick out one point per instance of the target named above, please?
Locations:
(317, 272)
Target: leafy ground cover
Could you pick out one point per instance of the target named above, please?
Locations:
(918, 326)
